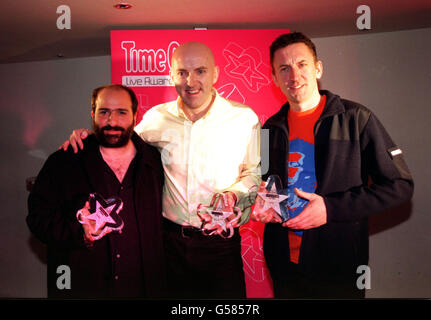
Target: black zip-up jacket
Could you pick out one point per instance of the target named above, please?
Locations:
(359, 172)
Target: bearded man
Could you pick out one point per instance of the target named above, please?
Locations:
(115, 164)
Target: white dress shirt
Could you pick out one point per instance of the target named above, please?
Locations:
(219, 152)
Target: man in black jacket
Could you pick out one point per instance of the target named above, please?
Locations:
(86, 260)
(338, 165)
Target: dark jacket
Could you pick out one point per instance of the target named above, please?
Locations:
(357, 176)
(62, 187)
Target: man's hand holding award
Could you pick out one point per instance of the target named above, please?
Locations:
(100, 217)
(221, 216)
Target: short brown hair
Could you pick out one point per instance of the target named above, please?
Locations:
(117, 87)
(290, 38)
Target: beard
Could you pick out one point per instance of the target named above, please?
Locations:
(113, 140)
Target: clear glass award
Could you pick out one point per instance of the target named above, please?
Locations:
(220, 215)
(104, 215)
(273, 196)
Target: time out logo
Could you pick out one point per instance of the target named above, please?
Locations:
(150, 66)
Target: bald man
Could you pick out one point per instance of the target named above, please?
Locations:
(209, 145)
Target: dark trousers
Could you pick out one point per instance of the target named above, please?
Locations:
(296, 285)
(203, 267)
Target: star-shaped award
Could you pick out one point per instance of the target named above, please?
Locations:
(272, 197)
(220, 215)
(104, 213)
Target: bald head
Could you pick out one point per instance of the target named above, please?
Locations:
(193, 50)
(193, 72)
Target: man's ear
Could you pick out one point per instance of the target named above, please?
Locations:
(274, 78)
(216, 74)
(135, 118)
(171, 75)
(319, 69)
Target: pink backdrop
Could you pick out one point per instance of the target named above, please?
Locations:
(141, 59)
